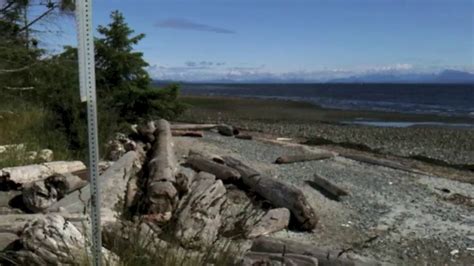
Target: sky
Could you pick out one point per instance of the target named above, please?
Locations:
(200, 40)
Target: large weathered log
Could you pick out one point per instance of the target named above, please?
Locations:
(52, 240)
(328, 186)
(113, 184)
(187, 133)
(279, 193)
(380, 162)
(193, 126)
(30, 173)
(14, 223)
(303, 158)
(264, 258)
(273, 221)
(162, 193)
(223, 172)
(325, 257)
(65, 183)
(199, 218)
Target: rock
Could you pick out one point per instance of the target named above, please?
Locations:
(31, 155)
(45, 155)
(115, 150)
(273, 221)
(226, 130)
(199, 217)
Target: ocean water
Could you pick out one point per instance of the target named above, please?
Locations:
(439, 99)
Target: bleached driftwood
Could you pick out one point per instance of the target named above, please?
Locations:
(380, 162)
(113, 184)
(65, 183)
(187, 133)
(208, 155)
(325, 257)
(14, 223)
(162, 193)
(52, 240)
(199, 218)
(222, 172)
(329, 187)
(273, 221)
(37, 196)
(277, 192)
(193, 126)
(147, 132)
(30, 173)
(303, 157)
(264, 258)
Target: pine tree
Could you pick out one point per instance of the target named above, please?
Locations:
(122, 81)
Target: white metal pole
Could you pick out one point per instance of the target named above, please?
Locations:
(88, 93)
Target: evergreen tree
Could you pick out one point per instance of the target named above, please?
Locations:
(122, 80)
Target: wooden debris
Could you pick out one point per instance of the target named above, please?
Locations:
(303, 158)
(327, 186)
(223, 172)
(193, 126)
(244, 137)
(284, 246)
(113, 184)
(273, 221)
(187, 133)
(147, 131)
(30, 173)
(162, 193)
(213, 157)
(37, 197)
(65, 183)
(263, 258)
(52, 240)
(380, 162)
(199, 218)
(279, 193)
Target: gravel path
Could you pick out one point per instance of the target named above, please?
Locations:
(392, 215)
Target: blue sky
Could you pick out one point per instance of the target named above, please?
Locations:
(293, 39)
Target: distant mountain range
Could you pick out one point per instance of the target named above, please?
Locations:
(446, 76)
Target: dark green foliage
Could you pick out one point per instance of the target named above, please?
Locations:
(122, 81)
(124, 87)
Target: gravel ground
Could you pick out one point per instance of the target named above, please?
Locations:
(452, 146)
(393, 216)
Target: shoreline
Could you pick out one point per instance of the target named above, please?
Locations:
(342, 116)
(440, 145)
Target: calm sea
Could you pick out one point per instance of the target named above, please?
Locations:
(437, 99)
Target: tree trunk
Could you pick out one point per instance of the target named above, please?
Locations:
(193, 126)
(327, 186)
(187, 133)
(380, 162)
(273, 221)
(279, 193)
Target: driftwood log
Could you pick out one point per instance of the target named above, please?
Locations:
(325, 257)
(279, 193)
(193, 126)
(303, 158)
(52, 240)
(222, 172)
(29, 173)
(187, 133)
(227, 130)
(264, 258)
(320, 182)
(113, 185)
(199, 217)
(37, 196)
(147, 131)
(273, 221)
(379, 162)
(162, 193)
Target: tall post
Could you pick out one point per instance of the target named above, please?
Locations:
(88, 94)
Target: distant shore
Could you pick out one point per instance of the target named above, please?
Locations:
(433, 141)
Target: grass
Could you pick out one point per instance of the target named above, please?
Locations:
(31, 126)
